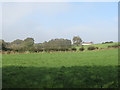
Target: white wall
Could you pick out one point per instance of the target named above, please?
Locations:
(86, 44)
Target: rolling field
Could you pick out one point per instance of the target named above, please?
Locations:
(89, 69)
(99, 45)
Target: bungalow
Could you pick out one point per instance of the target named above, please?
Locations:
(86, 43)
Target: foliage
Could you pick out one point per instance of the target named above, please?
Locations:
(51, 45)
(57, 44)
(97, 47)
(28, 43)
(92, 48)
(114, 46)
(3, 46)
(21, 45)
(82, 49)
(73, 49)
(77, 40)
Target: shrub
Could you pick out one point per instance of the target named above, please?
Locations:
(64, 49)
(46, 50)
(27, 52)
(114, 46)
(109, 46)
(8, 52)
(37, 50)
(82, 49)
(101, 48)
(73, 49)
(91, 48)
(97, 48)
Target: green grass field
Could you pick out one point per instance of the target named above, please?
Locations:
(98, 45)
(88, 69)
(67, 59)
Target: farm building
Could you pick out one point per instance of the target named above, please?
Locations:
(86, 43)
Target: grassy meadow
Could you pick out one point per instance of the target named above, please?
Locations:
(100, 46)
(87, 69)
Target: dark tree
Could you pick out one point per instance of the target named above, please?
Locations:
(2, 45)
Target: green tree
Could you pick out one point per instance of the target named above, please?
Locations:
(28, 43)
(77, 40)
(38, 47)
(16, 45)
(18, 41)
(22, 45)
(57, 44)
(2, 45)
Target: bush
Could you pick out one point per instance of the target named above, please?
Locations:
(109, 46)
(97, 48)
(63, 49)
(73, 49)
(46, 50)
(82, 49)
(27, 52)
(91, 48)
(114, 46)
(41, 50)
(8, 52)
(56, 49)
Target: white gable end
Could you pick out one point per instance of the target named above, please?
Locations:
(86, 44)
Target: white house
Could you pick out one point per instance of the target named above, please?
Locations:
(86, 43)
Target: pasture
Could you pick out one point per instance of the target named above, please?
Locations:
(99, 45)
(89, 69)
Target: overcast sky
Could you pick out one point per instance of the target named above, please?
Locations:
(97, 22)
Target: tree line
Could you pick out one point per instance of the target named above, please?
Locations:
(28, 44)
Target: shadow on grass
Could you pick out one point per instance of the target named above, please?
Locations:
(63, 77)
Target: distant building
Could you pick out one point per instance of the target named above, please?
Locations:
(86, 43)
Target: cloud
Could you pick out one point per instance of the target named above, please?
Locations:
(14, 12)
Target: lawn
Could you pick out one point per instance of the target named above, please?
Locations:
(88, 69)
